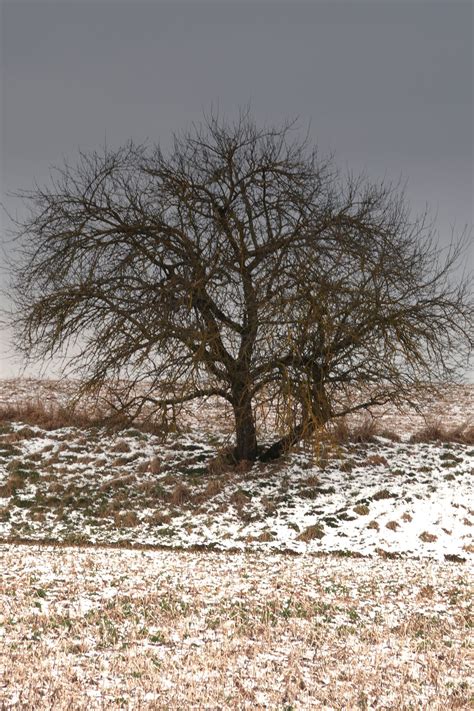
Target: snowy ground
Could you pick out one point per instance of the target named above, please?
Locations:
(121, 629)
(94, 486)
(237, 599)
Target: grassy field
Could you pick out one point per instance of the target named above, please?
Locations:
(143, 573)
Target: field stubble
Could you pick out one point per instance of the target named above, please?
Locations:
(113, 629)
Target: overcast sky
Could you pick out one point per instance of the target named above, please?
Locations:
(386, 85)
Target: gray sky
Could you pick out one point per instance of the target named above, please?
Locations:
(386, 84)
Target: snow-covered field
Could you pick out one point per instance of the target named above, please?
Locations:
(122, 629)
(211, 613)
(95, 486)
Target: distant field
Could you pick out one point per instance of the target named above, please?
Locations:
(453, 407)
(339, 577)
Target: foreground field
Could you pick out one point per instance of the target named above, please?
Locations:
(123, 629)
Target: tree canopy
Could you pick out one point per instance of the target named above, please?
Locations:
(242, 265)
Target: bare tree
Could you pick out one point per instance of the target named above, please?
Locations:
(239, 265)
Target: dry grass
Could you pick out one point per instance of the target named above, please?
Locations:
(155, 466)
(126, 519)
(53, 415)
(213, 488)
(365, 430)
(180, 494)
(120, 446)
(239, 499)
(111, 629)
(94, 629)
(311, 532)
(50, 416)
(55, 404)
(462, 433)
(374, 525)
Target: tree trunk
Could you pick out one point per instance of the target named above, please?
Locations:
(246, 445)
(278, 448)
(320, 405)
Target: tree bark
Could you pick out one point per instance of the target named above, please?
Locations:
(282, 445)
(320, 404)
(246, 435)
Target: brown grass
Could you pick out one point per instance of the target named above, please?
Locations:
(239, 499)
(120, 446)
(155, 466)
(341, 431)
(47, 415)
(312, 480)
(127, 519)
(265, 537)
(117, 482)
(213, 488)
(13, 483)
(54, 415)
(159, 518)
(222, 463)
(427, 537)
(382, 494)
(312, 532)
(56, 405)
(362, 510)
(438, 432)
(180, 494)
